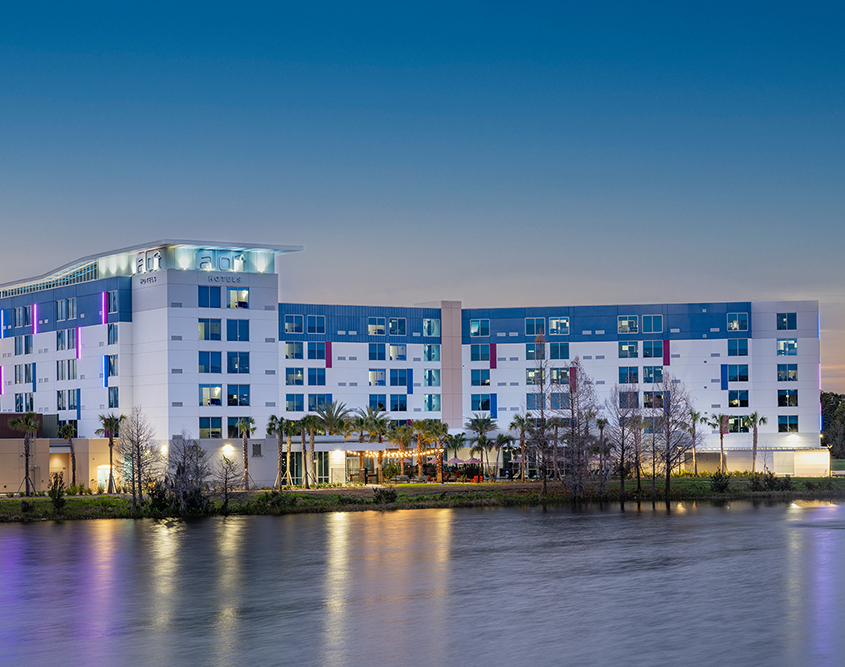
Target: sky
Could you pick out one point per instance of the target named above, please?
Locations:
(499, 154)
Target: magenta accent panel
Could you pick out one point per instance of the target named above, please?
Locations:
(666, 354)
(328, 354)
(573, 379)
(492, 355)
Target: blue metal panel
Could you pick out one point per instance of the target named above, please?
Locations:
(494, 408)
(33, 377)
(410, 376)
(724, 376)
(78, 404)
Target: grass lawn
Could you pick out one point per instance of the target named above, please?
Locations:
(837, 464)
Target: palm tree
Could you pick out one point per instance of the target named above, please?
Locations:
(378, 425)
(695, 418)
(28, 424)
(110, 428)
(521, 423)
(480, 425)
(291, 428)
(68, 432)
(720, 422)
(601, 424)
(276, 426)
(422, 432)
(502, 441)
(439, 433)
(312, 424)
(360, 424)
(246, 427)
(333, 419)
(755, 420)
(402, 436)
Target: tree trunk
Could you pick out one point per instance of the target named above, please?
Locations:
(246, 462)
(279, 436)
(419, 456)
(288, 477)
(721, 451)
(72, 462)
(754, 451)
(26, 463)
(304, 461)
(111, 465)
(313, 461)
(380, 471)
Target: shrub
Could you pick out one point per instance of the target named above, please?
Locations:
(57, 492)
(27, 507)
(720, 482)
(384, 495)
(785, 483)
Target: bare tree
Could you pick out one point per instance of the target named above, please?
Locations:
(187, 478)
(227, 475)
(137, 442)
(623, 429)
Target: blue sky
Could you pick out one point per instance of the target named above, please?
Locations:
(497, 154)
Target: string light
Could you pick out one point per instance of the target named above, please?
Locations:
(395, 454)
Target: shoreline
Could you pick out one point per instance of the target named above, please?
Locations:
(413, 496)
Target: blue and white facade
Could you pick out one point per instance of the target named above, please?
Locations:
(194, 333)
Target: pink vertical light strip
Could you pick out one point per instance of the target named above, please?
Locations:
(105, 317)
(573, 379)
(79, 342)
(2, 380)
(666, 355)
(3, 324)
(34, 318)
(492, 355)
(328, 354)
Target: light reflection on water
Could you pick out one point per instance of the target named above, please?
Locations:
(695, 584)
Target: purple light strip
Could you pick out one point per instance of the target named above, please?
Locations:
(105, 317)
(2, 323)
(105, 377)
(79, 342)
(2, 380)
(34, 318)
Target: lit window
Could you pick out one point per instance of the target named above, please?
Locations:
(738, 347)
(558, 326)
(209, 329)
(397, 326)
(628, 375)
(738, 424)
(788, 424)
(653, 400)
(535, 351)
(316, 324)
(479, 327)
(237, 362)
(480, 402)
(534, 326)
(787, 347)
(294, 377)
(652, 374)
(787, 321)
(787, 372)
(293, 324)
(398, 353)
(431, 327)
(480, 377)
(738, 398)
(533, 376)
(652, 323)
(294, 403)
(652, 349)
(237, 395)
(293, 350)
(378, 377)
(211, 395)
(628, 349)
(479, 352)
(737, 321)
(431, 402)
(237, 297)
(627, 324)
(787, 398)
(318, 401)
(559, 375)
(375, 326)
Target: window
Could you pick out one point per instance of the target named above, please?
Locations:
(653, 374)
(71, 308)
(23, 344)
(480, 401)
(61, 310)
(738, 424)
(237, 330)
(210, 362)
(293, 350)
(629, 399)
(111, 365)
(787, 347)
(532, 401)
(237, 362)
(378, 401)
(294, 403)
(559, 350)
(256, 449)
(233, 431)
(628, 349)
(431, 352)
(651, 424)
(397, 326)
(430, 327)
(787, 372)
(479, 352)
(534, 376)
(479, 327)
(23, 374)
(23, 316)
(293, 324)
(23, 402)
(398, 377)
(628, 375)
(535, 351)
(318, 400)
(211, 395)
(112, 334)
(480, 377)
(61, 402)
(787, 321)
(431, 377)
(71, 369)
(652, 349)
(559, 401)
(294, 376)
(211, 427)
(71, 339)
(558, 326)
(378, 377)
(652, 323)
(316, 324)
(559, 375)
(787, 398)
(208, 297)
(626, 324)
(738, 347)
(317, 376)
(738, 373)
(431, 402)
(653, 400)
(398, 403)
(788, 424)
(737, 321)
(237, 394)
(398, 353)
(738, 398)
(375, 326)
(377, 352)
(535, 326)
(61, 339)
(316, 350)
(237, 297)
(112, 301)
(209, 329)
(61, 373)
(113, 397)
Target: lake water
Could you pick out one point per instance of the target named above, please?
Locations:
(695, 585)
